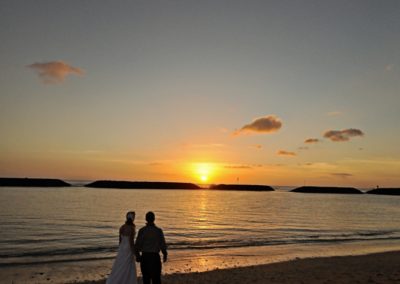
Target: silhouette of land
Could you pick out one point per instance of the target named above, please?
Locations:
(33, 182)
(245, 187)
(322, 189)
(385, 191)
(142, 185)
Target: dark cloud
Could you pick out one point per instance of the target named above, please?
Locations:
(262, 125)
(286, 153)
(312, 140)
(342, 135)
(54, 72)
(342, 175)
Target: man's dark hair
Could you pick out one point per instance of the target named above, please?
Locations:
(150, 217)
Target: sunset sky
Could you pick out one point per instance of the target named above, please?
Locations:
(258, 92)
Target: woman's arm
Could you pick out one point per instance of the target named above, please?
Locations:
(132, 239)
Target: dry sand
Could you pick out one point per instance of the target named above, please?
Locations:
(372, 268)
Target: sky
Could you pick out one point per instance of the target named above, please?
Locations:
(252, 92)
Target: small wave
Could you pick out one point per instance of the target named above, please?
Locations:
(62, 252)
(14, 257)
(39, 262)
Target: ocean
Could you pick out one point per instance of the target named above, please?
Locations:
(78, 225)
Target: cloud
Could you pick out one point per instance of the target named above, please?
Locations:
(241, 167)
(342, 175)
(257, 146)
(262, 125)
(321, 166)
(312, 140)
(303, 148)
(54, 72)
(389, 67)
(334, 113)
(343, 135)
(156, 164)
(286, 153)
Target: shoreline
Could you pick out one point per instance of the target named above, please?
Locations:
(370, 268)
(236, 266)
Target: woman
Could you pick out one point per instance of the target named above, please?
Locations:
(124, 269)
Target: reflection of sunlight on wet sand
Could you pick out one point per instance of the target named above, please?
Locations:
(186, 262)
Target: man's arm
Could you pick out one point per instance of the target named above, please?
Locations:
(138, 245)
(163, 246)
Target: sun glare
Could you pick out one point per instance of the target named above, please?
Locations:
(203, 171)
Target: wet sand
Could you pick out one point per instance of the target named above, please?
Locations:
(372, 268)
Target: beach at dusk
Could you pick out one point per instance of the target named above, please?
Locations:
(203, 141)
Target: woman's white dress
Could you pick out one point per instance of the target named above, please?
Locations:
(124, 269)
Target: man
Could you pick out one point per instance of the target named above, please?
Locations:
(150, 241)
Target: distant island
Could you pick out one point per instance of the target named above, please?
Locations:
(33, 182)
(385, 191)
(142, 185)
(322, 189)
(245, 187)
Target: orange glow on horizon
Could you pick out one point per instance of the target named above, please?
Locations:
(204, 172)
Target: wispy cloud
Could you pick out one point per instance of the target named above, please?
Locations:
(321, 166)
(389, 67)
(312, 140)
(334, 113)
(343, 135)
(303, 148)
(286, 153)
(262, 125)
(342, 175)
(239, 167)
(257, 146)
(242, 166)
(54, 72)
(156, 164)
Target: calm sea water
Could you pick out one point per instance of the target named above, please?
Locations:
(63, 224)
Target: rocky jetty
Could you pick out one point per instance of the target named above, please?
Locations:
(141, 185)
(322, 189)
(244, 187)
(385, 191)
(33, 182)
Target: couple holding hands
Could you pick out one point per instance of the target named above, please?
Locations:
(146, 250)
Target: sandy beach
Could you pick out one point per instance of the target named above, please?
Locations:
(372, 268)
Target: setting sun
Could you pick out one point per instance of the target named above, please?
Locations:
(203, 171)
